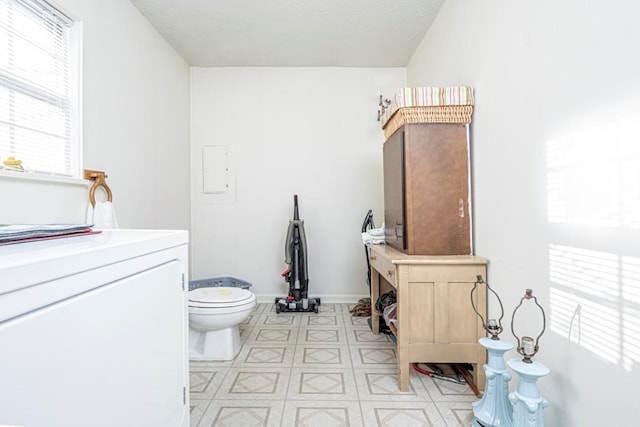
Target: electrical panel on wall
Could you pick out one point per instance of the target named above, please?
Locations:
(218, 181)
(215, 169)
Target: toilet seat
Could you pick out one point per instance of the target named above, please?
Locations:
(220, 297)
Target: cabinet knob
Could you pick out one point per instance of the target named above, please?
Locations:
(372, 258)
(389, 272)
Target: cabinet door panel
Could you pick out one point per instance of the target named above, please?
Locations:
(421, 325)
(461, 320)
(437, 190)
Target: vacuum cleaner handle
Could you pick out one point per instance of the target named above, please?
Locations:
(288, 243)
(303, 245)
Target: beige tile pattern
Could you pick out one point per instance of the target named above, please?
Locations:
(318, 370)
(272, 335)
(322, 356)
(234, 413)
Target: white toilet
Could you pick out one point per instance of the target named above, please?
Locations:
(214, 316)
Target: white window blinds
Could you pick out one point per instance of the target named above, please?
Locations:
(38, 101)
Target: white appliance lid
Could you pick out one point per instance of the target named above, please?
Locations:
(220, 294)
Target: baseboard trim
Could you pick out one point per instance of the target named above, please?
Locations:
(326, 299)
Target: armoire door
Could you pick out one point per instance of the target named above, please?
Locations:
(437, 189)
(426, 190)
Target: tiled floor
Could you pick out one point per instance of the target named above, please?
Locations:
(324, 370)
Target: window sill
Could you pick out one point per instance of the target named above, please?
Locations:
(38, 177)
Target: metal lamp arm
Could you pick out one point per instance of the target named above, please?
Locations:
(528, 295)
(494, 334)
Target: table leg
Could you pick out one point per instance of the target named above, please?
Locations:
(402, 337)
(403, 374)
(375, 294)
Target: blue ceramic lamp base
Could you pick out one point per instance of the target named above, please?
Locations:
(528, 404)
(494, 409)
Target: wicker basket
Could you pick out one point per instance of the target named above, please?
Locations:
(433, 114)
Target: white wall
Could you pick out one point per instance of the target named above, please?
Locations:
(135, 127)
(556, 161)
(306, 131)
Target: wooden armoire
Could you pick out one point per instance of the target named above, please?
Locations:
(427, 189)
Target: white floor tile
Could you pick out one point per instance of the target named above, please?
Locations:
(382, 385)
(365, 336)
(328, 320)
(278, 320)
(203, 384)
(265, 355)
(329, 335)
(234, 413)
(445, 391)
(456, 414)
(272, 334)
(322, 356)
(197, 408)
(356, 322)
(325, 369)
(376, 356)
(313, 384)
(321, 414)
(401, 414)
(254, 384)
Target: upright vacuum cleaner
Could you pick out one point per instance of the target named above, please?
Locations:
(297, 275)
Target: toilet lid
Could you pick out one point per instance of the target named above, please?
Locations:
(220, 296)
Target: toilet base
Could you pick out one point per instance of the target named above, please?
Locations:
(219, 345)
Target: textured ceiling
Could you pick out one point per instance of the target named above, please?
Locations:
(292, 33)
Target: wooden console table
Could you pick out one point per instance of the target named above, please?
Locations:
(436, 322)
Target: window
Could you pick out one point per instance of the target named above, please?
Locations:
(39, 83)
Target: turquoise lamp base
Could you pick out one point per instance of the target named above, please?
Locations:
(528, 405)
(494, 409)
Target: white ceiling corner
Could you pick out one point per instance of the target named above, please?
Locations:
(292, 33)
